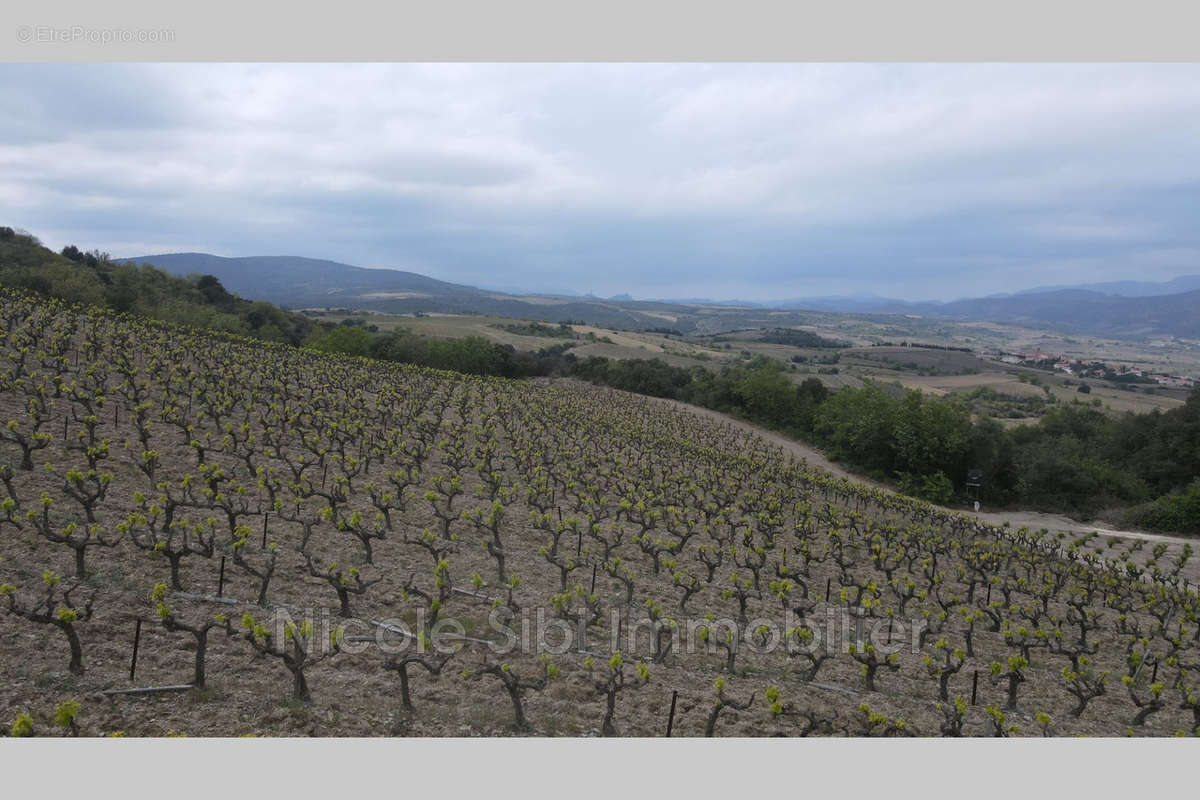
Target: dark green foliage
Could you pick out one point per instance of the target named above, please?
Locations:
(936, 488)
(932, 435)
(1179, 511)
(644, 376)
(992, 450)
(1079, 459)
(856, 425)
(93, 278)
(797, 338)
(986, 401)
(473, 355)
(560, 331)
(351, 340)
(916, 436)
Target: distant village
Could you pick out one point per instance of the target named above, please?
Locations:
(1099, 370)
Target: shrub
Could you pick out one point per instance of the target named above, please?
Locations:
(1179, 511)
(22, 726)
(352, 341)
(936, 488)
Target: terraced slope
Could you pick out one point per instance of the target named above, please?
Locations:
(339, 546)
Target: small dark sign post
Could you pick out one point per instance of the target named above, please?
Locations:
(974, 483)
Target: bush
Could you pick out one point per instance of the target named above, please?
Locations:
(22, 726)
(936, 488)
(349, 340)
(1179, 511)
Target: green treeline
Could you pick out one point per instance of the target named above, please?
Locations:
(92, 278)
(474, 355)
(1076, 458)
(796, 338)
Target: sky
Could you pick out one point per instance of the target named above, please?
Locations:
(723, 181)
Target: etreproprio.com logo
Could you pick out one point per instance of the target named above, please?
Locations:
(81, 34)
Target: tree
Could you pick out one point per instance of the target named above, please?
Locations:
(767, 394)
(932, 435)
(351, 341)
(213, 292)
(857, 425)
(810, 394)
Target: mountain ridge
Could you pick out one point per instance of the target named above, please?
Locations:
(300, 282)
(296, 275)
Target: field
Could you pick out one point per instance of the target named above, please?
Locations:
(936, 372)
(322, 545)
(590, 340)
(942, 372)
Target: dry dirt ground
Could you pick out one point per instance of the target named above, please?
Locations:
(355, 695)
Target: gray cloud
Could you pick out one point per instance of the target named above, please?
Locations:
(751, 181)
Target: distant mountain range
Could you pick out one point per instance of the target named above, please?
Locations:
(1130, 309)
(1184, 283)
(1088, 312)
(1073, 310)
(296, 282)
(862, 304)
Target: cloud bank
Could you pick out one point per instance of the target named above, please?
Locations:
(723, 181)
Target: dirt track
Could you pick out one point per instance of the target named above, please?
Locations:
(1030, 519)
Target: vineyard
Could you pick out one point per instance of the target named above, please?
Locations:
(209, 535)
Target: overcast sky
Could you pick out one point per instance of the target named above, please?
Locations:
(721, 181)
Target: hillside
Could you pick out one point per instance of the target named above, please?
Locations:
(295, 281)
(1071, 310)
(1083, 311)
(93, 278)
(311, 283)
(1184, 283)
(326, 545)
